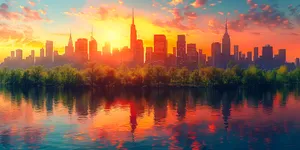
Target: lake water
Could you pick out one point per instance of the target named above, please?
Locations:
(150, 119)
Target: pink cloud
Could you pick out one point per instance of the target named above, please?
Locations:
(32, 3)
(6, 14)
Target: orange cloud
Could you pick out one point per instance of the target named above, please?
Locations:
(199, 3)
(176, 2)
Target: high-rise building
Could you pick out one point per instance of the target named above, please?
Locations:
(192, 56)
(159, 55)
(226, 43)
(139, 53)
(133, 34)
(297, 62)
(69, 50)
(149, 51)
(174, 51)
(115, 52)
(106, 50)
(202, 57)
(236, 52)
(240, 55)
(249, 56)
(181, 50)
(81, 49)
(12, 54)
(33, 53)
(93, 48)
(215, 54)
(255, 58)
(49, 50)
(267, 53)
(19, 54)
(42, 53)
(282, 56)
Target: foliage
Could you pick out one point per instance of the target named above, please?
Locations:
(104, 76)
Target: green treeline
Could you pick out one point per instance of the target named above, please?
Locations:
(105, 76)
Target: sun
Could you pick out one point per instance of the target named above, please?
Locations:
(112, 36)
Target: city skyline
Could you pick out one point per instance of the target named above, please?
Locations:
(27, 24)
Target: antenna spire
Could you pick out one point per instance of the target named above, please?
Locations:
(132, 15)
(226, 26)
(92, 34)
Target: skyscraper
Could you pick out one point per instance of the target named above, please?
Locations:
(149, 51)
(33, 53)
(106, 50)
(12, 54)
(255, 58)
(297, 62)
(49, 50)
(202, 57)
(133, 35)
(181, 50)
(174, 51)
(81, 49)
(160, 49)
(267, 53)
(19, 54)
(236, 52)
(226, 43)
(216, 53)
(42, 53)
(192, 56)
(282, 56)
(249, 56)
(93, 47)
(139, 53)
(69, 50)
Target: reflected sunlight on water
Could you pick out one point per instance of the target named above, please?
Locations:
(159, 119)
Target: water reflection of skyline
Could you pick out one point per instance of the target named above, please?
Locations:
(173, 118)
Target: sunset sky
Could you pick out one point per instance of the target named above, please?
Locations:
(27, 24)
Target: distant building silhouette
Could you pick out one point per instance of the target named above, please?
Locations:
(267, 52)
(202, 58)
(181, 50)
(106, 50)
(159, 55)
(42, 53)
(49, 50)
(175, 51)
(69, 50)
(192, 56)
(236, 52)
(297, 62)
(255, 56)
(12, 54)
(81, 50)
(249, 57)
(133, 34)
(216, 54)
(93, 48)
(19, 54)
(282, 56)
(139, 53)
(149, 51)
(226, 45)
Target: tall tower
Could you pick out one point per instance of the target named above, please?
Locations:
(133, 36)
(181, 50)
(93, 47)
(226, 43)
(69, 50)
